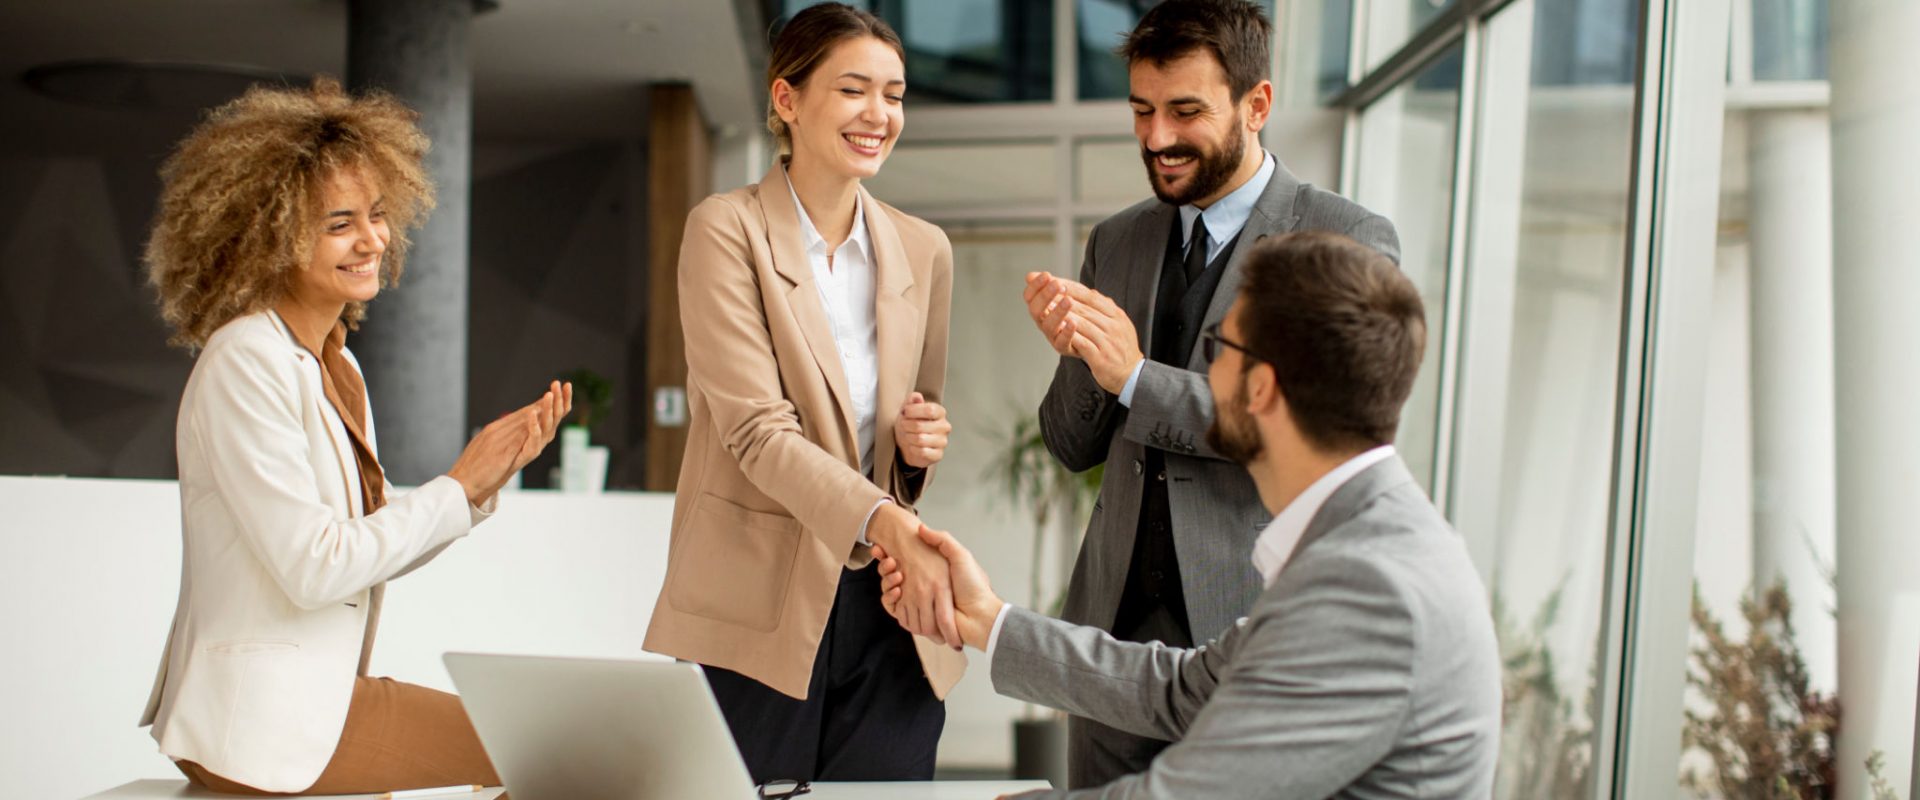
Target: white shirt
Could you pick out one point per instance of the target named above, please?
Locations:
(846, 289)
(1275, 545)
(844, 277)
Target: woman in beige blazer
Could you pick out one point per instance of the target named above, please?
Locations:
(280, 217)
(816, 330)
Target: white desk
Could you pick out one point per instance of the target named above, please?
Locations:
(937, 790)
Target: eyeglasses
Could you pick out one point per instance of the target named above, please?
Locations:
(775, 790)
(1210, 341)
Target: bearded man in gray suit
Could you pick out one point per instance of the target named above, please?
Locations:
(1165, 555)
(1367, 667)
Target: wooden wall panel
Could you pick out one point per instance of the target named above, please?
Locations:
(679, 163)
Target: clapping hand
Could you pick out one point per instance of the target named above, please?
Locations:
(1085, 324)
(509, 443)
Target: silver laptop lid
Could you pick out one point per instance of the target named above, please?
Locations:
(592, 729)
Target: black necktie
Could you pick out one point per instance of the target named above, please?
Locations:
(1196, 251)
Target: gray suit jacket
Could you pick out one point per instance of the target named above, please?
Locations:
(1216, 513)
(1368, 670)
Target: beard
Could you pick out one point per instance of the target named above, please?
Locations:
(1211, 171)
(1233, 433)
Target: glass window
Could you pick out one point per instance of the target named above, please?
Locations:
(1769, 496)
(1336, 47)
(1103, 25)
(1391, 23)
(1533, 453)
(1406, 173)
(1584, 42)
(1790, 40)
(964, 51)
(929, 177)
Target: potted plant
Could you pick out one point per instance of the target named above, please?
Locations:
(1060, 502)
(583, 466)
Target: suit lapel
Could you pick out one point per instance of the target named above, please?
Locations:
(898, 324)
(337, 432)
(1147, 247)
(1272, 214)
(803, 294)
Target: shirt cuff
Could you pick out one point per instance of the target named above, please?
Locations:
(869, 520)
(993, 638)
(480, 513)
(1126, 392)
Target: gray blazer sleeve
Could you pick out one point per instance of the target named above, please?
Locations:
(1172, 409)
(1084, 671)
(1077, 417)
(1316, 689)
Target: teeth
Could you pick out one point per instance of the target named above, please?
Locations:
(865, 141)
(1175, 162)
(361, 269)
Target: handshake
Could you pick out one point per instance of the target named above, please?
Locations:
(931, 584)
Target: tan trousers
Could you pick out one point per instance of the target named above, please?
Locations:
(397, 736)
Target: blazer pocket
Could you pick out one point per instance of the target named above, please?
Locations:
(736, 565)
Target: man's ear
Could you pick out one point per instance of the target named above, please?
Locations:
(1263, 388)
(1259, 102)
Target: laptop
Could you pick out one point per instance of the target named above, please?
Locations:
(593, 729)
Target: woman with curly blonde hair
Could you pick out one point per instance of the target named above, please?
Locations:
(281, 216)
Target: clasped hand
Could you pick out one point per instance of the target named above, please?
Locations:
(924, 605)
(1084, 324)
(920, 432)
(975, 605)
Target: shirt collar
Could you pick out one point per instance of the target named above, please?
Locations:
(1226, 217)
(1275, 546)
(817, 244)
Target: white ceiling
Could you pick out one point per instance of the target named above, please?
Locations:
(544, 70)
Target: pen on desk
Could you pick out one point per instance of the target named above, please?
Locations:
(402, 795)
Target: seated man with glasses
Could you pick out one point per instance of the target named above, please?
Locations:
(1368, 665)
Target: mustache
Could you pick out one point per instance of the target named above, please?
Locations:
(1181, 150)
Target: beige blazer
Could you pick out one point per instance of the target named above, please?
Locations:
(771, 498)
(280, 576)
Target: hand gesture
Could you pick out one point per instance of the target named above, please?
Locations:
(920, 432)
(974, 603)
(1042, 296)
(508, 443)
(1087, 325)
(924, 602)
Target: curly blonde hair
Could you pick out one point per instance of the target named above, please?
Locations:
(239, 203)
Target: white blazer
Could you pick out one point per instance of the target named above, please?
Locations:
(280, 575)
